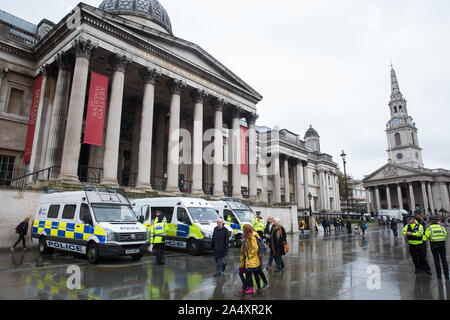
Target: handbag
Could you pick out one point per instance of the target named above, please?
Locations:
(286, 248)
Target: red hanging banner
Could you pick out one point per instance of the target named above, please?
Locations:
(95, 117)
(32, 121)
(244, 150)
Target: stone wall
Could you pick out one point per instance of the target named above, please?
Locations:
(287, 215)
(15, 206)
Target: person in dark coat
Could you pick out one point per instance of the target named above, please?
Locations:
(349, 226)
(220, 245)
(267, 235)
(22, 230)
(394, 227)
(278, 238)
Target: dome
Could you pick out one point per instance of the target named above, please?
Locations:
(148, 9)
(311, 133)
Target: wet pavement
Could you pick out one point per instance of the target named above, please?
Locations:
(320, 267)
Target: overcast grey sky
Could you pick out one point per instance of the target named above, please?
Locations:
(322, 62)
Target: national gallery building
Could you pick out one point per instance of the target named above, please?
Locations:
(109, 96)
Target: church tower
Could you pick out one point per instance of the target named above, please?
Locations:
(401, 131)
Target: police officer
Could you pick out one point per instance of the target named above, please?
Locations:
(259, 224)
(413, 231)
(437, 235)
(158, 237)
(423, 246)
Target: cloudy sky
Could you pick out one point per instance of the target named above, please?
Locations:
(324, 63)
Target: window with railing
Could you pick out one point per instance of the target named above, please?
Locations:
(6, 169)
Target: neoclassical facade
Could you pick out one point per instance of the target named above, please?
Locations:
(403, 182)
(164, 93)
(289, 169)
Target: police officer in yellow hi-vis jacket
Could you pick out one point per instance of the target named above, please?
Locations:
(158, 236)
(437, 235)
(259, 224)
(414, 232)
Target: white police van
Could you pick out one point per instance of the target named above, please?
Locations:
(235, 213)
(191, 221)
(96, 222)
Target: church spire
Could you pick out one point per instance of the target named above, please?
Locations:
(395, 89)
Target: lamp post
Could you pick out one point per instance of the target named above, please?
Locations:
(310, 218)
(343, 155)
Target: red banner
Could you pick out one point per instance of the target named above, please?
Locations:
(244, 150)
(95, 117)
(32, 121)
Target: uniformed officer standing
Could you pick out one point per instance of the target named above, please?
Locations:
(437, 235)
(414, 232)
(423, 246)
(158, 237)
(258, 224)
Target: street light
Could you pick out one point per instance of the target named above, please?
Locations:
(343, 155)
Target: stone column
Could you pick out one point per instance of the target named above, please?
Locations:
(236, 152)
(287, 191)
(72, 138)
(263, 172)
(444, 196)
(159, 145)
(424, 196)
(377, 196)
(3, 88)
(368, 201)
(112, 141)
(430, 196)
(305, 182)
(300, 192)
(173, 153)
(321, 190)
(327, 191)
(217, 105)
(277, 179)
(388, 196)
(135, 139)
(399, 196)
(411, 197)
(55, 137)
(198, 97)
(149, 77)
(252, 189)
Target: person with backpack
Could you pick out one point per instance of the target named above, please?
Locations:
(278, 242)
(22, 230)
(250, 261)
(394, 227)
(363, 226)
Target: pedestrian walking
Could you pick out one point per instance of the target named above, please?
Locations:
(349, 226)
(394, 227)
(302, 226)
(22, 230)
(363, 226)
(220, 245)
(437, 235)
(413, 231)
(250, 262)
(278, 242)
(325, 225)
(158, 237)
(267, 236)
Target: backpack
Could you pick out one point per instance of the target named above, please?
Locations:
(19, 228)
(262, 249)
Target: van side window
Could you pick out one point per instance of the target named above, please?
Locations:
(84, 208)
(229, 216)
(69, 211)
(167, 212)
(145, 211)
(53, 211)
(182, 216)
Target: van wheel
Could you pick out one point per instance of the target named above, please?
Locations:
(238, 239)
(92, 253)
(193, 247)
(43, 248)
(137, 257)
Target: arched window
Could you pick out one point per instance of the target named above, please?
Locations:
(398, 140)
(400, 108)
(413, 138)
(395, 109)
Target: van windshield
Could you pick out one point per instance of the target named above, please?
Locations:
(244, 215)
(113, 213)
(203, 215)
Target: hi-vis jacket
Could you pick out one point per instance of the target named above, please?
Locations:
(258, 224)
(436, 233)
(158, 231)
(417, 233)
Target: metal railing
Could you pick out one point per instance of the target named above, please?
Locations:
(159, 183)
(126, 179)
(26, 178)
(208, 188)
(90, 174)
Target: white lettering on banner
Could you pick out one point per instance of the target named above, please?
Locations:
(66, 246)
(98, 102)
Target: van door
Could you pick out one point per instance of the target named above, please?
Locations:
(183, 225)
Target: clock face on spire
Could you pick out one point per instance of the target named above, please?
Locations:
(395, 122)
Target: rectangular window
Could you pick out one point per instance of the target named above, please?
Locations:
(15, 105)
(6, 169)
(53, 211)
(182, 216)
(69, 211)
(166, 212)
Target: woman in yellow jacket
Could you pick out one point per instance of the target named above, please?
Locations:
(250, 262)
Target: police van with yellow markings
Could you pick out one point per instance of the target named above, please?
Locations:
(235, 213)
(96, 222)
(190, 221)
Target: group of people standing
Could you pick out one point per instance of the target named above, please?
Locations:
(256, 238)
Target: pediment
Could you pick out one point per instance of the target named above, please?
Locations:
(389, 171)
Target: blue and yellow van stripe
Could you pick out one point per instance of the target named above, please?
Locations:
(235, 227)
(68, 230)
